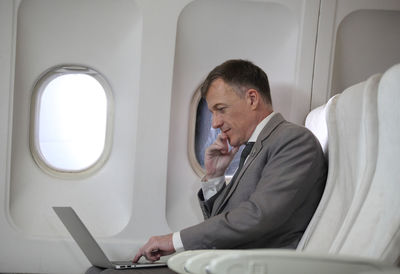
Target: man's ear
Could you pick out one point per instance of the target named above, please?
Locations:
(252, 98)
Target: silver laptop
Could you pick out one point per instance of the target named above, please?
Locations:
(89, 245)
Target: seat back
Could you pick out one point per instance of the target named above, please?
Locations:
(349, 146)
(375, 231)
(354, 212)
(316, 123)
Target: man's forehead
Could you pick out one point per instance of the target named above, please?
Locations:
(219, 93)
(215, 100)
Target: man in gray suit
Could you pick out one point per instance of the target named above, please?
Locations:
(280, 180)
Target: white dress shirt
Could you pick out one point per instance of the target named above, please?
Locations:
(213, 185)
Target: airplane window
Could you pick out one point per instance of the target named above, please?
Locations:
(70, 119)
(205, 135)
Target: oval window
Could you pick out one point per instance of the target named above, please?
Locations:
(202, 135)
(71, 107)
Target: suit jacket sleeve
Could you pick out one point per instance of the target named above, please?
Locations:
(288, 170)
(207, 206)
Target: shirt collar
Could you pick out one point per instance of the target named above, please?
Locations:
(260, 127)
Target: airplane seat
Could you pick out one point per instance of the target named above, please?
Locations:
(361, 214)
(316, 123)
(376, 229)
(357, 223)
(352, 132)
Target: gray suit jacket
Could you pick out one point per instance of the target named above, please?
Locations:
(273, 198)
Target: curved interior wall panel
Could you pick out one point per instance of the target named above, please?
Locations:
(367, 42)
(356, 39)
(105, 36)
(245, 30)
(278, 36)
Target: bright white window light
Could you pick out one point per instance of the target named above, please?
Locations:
(71, 121)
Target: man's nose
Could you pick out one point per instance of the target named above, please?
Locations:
(216, 121)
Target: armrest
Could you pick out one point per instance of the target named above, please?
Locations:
(288, 262)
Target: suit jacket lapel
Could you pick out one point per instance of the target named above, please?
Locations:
(268, 129)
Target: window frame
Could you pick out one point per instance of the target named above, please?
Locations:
(194, 163)
(38, 89)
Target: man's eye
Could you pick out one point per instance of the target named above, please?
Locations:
(221, 109)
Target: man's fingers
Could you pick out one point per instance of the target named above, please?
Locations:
(149, 255)
(152, 256)
(222, 141)
(137, 257)
(156, 247)
(222, 137)
(220, 145)
(149, 251)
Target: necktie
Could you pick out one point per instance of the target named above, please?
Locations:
(245, 153)
(243, 156)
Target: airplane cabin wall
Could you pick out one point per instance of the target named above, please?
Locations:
(154, 54)
(140, 77)
(112, 53)
(356, 39)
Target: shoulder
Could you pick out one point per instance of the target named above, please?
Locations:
(279, 126)
(280, 134)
